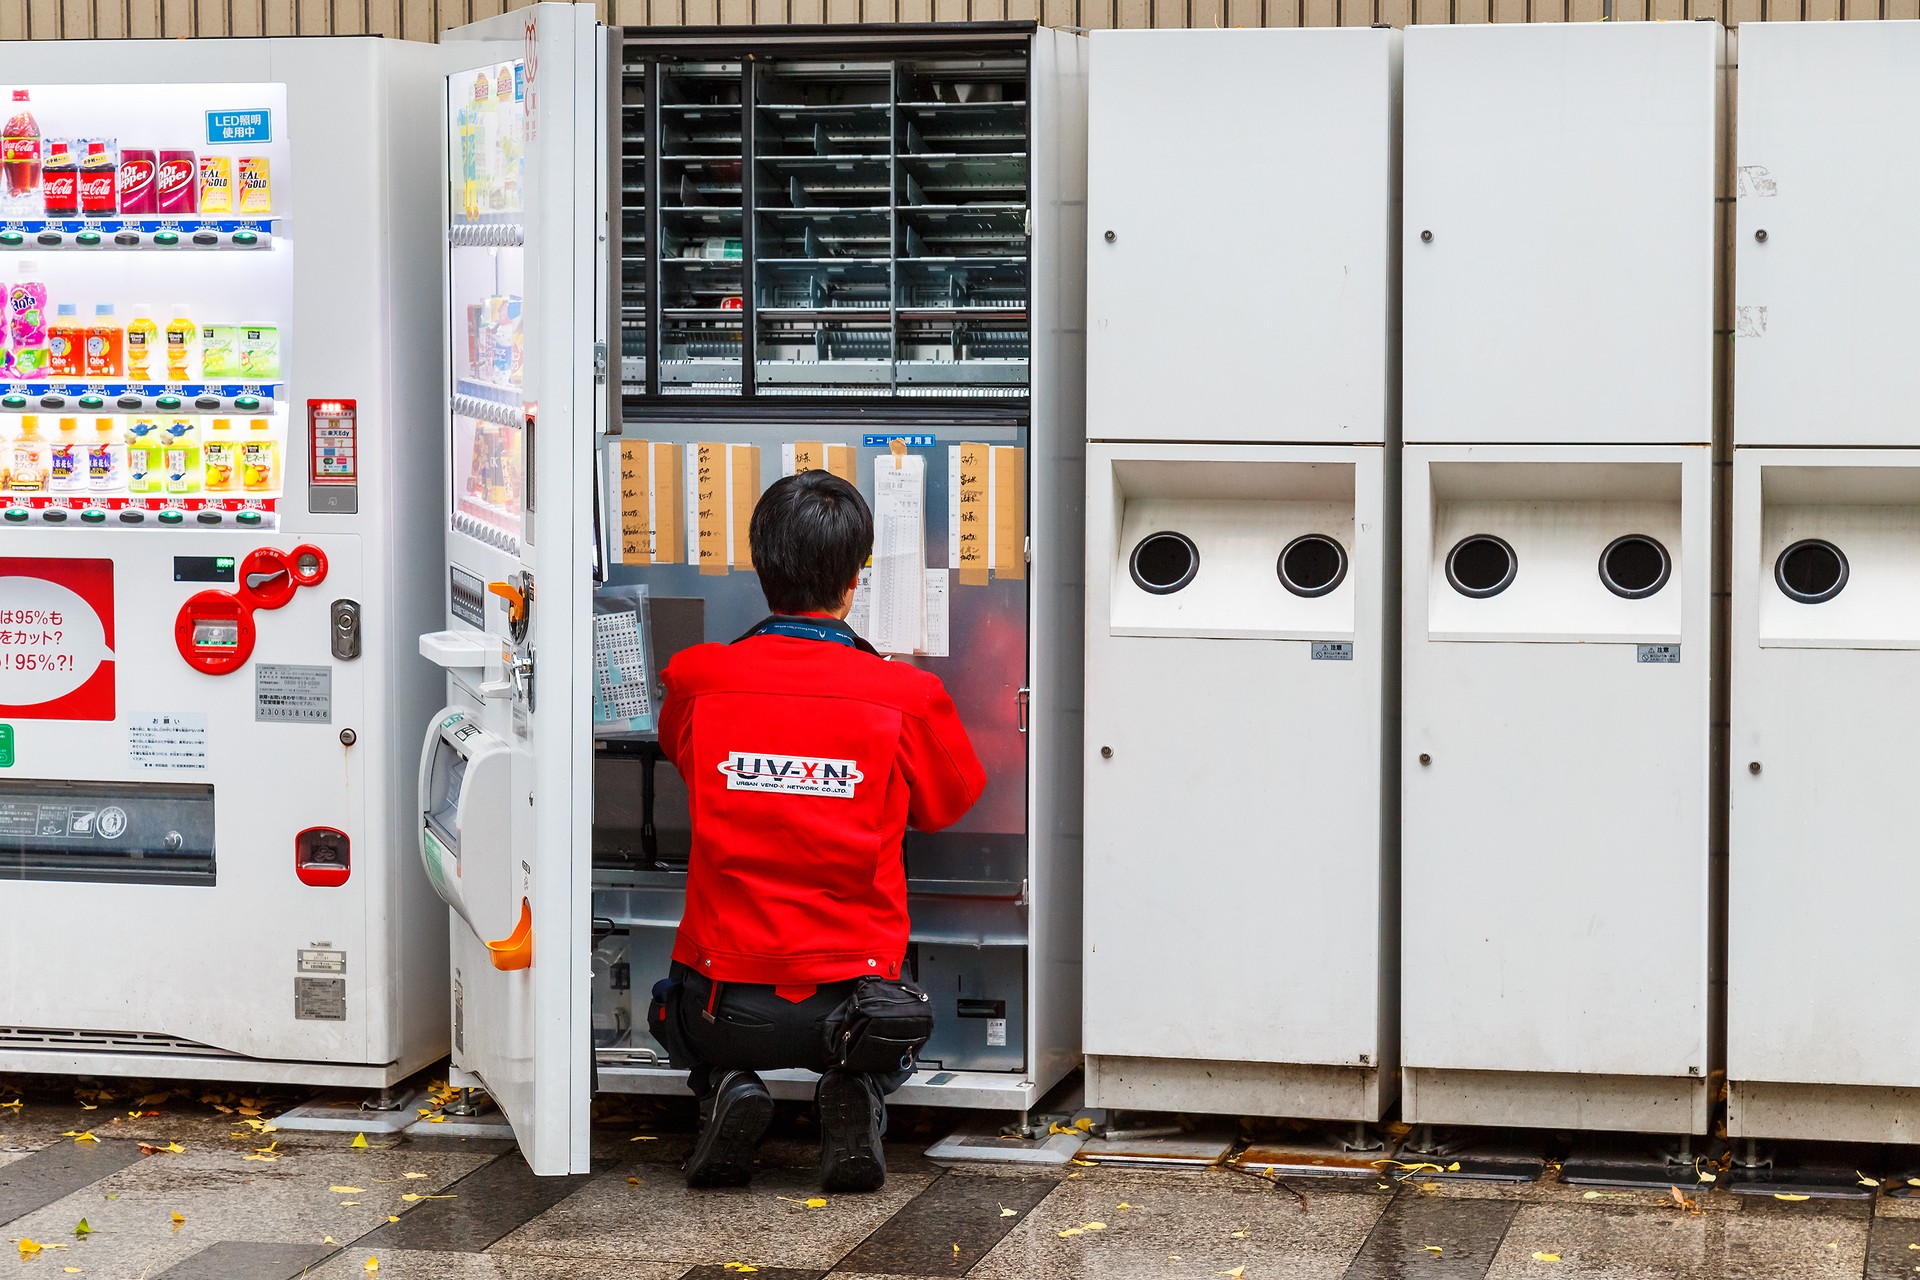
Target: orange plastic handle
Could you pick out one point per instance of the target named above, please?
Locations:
(515, 598)
(515, 951)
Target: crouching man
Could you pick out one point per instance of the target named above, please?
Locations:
(805, 756)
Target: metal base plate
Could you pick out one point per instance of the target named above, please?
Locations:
(491, 1123)
(350, 1115)
(979, 1145)
(1325, 1157)
(1196, 1150)
(1632, 1162)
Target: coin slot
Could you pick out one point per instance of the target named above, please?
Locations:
(1162, 563)
(1312, 565)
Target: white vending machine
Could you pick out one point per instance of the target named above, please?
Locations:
(687, 263)
(217, 420)
(1826, 553)
(1559, 298)
(1242, 630)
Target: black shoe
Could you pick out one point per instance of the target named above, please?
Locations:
(852, 1120)
(732, 1120)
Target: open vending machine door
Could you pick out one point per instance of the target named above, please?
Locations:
(505, 769)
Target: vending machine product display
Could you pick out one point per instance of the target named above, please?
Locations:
(211, 442)
(1826, 505)
(1559, 287)
(1242, 605)
(847, 250)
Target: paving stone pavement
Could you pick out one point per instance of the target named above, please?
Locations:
(236, 1202)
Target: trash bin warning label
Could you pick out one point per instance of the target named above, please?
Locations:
(56, 639)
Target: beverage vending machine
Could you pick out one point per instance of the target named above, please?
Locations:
(855, 250)
(216, 419)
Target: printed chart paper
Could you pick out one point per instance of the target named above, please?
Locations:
(622, 702)
(899, 554)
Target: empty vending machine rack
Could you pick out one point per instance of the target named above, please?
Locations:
(820, 215)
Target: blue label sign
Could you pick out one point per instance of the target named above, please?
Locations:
(912, 442)
(227, 127)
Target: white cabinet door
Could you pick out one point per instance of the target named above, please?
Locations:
(526, 199)
(1828, 165)
(1240, 235)
(1558, 244)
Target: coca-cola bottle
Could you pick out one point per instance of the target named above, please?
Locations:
(62, 174)
(20, 159)
(97, 172)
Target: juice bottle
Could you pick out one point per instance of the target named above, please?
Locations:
(32, 458)
(143, 339)
(106, 458)
(144, 463)
(220, 457)
(106, 344)
(182, 457)
(259, 352)
(259, 458)
(181, 333)
(66, 343)
(67, 472)
(219, 351)
(27, 323)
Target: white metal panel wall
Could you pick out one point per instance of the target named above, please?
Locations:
(1824, 702)
(1233, 774)
(1828, 163)
(1556, 786)
(1246, 180)
(1559, 232)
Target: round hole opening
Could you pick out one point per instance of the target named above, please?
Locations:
(1811, 571)
(1635, 567)
(1162, 563)
(1481, 566)
(1312, 565)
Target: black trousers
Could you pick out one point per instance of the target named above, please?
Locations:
(711, 1027)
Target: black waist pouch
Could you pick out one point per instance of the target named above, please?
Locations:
(880, 1027)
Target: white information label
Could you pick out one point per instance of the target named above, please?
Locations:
(899, 554)
(177, 740)
(996, 1033)
(937, 596)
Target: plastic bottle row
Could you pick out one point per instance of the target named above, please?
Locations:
(175, 457)
(102, 347)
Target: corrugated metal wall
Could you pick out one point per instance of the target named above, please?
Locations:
(420, 19)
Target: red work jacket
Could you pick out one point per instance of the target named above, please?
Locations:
(805, 759)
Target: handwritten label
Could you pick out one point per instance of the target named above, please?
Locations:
(723, 484)
(651, 508)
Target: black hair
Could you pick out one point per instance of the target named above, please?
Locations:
(811, 534)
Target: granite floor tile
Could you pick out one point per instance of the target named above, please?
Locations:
(248, 1260)
(487, 1205)
(54, 1172)
(948, 1227)
(413, 1264)
(1893, 1249)
(1160, 1224)
(221, 1196)
(1802, 1241)
(658, 1218)
(1423, 1236)
(759, 1273)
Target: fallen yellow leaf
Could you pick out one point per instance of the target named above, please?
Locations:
(88, 1106)
(1083, 1124)
(633, 1182)
(72, 1271)
(1238, 1273)
(359, 1142)
(348, 1204)
(179, 1220)
(436, 1120)
(1073, 1231)
(83, 1228)
(413, 1175)
(1096, 1226)
(1008, 1213)
(29, 1248)
(372, 1264)
(393, 1217)
(1123, 1206)
(1087, 1163)
(1787, 1195)
(78, 1136)
(15, 1105)
(347, 1191)
(644, 1137)
(410, 1197)
(1865, 1181)
(1546, 1257)
(816, 1203)
(1434, 1249)
(328, 1240)
(1237, 1235)
(1454, 1167)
